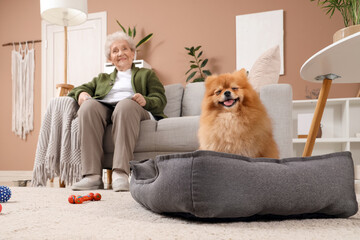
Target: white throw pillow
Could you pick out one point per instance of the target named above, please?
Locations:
(266, 69)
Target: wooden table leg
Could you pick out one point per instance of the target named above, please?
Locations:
(315, 124)
(61, 184)
(109, 176)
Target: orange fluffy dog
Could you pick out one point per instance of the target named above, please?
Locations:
(233, 119)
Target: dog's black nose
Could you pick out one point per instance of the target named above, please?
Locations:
(227, 94)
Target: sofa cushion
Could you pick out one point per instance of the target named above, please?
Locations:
(177, 134)
(277, 99)
(193, 95)
(266, 69)
(174, 94)
(169, 135)
(210, 184)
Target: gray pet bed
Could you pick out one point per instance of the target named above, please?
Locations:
(209, 184)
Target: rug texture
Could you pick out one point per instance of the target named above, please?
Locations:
(44, 213)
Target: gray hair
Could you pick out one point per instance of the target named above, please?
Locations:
(116, 36)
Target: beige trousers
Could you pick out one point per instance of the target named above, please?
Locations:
(93, 119)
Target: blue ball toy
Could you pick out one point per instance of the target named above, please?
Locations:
(5, 194)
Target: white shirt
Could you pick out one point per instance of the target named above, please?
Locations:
(122, 88)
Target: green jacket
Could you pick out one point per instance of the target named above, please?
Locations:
(143, 81)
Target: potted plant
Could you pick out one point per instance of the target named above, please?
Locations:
(350, 11)
(197, 65)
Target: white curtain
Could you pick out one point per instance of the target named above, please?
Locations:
(22, 70)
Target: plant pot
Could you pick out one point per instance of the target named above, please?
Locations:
(345, 32)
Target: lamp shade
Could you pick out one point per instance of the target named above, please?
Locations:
(64, 12)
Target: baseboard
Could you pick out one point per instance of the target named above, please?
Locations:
(8, 176)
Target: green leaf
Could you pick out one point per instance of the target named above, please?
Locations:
(197, 48)
(121, 26)
(188, 71)
(200, 79)
(194, 66)
(144, 40)
(191, 54)
(192, 61)
(206, 72)
(200, 54)
(134, 32)
(190, 76)
(129, 32)
(204, 63)
(187, 48)
(347, 9)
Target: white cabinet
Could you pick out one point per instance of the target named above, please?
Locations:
(340, 127)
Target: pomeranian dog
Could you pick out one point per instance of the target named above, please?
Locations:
(233, 119)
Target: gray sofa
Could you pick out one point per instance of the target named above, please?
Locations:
(178, 132)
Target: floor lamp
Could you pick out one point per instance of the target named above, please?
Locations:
(64, 13)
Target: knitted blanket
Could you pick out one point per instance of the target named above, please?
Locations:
(58, 150)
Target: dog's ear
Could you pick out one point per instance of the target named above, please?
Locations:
(242, 73)
(210, 79)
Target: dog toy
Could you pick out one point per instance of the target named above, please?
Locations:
(5, 194)
(80, 199)
(0, 208)
(75, 200)
(97, 197)
(89, 197)
(92, 197)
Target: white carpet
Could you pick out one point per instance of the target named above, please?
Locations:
(44, 213)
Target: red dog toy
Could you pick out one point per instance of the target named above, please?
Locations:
(97, 197)
(88, 197)
(75, 200)
(80, 199)
(0, 208)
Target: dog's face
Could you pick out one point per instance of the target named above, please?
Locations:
(227, 92)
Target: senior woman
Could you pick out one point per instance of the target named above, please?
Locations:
(124, 98)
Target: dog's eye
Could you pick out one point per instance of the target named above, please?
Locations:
(234, 88)
(218, 92)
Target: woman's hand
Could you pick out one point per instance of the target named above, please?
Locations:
(83, 97)
(139, 99)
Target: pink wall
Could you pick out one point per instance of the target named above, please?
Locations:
(175, 24)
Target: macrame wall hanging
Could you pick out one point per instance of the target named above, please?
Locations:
(22, 72)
